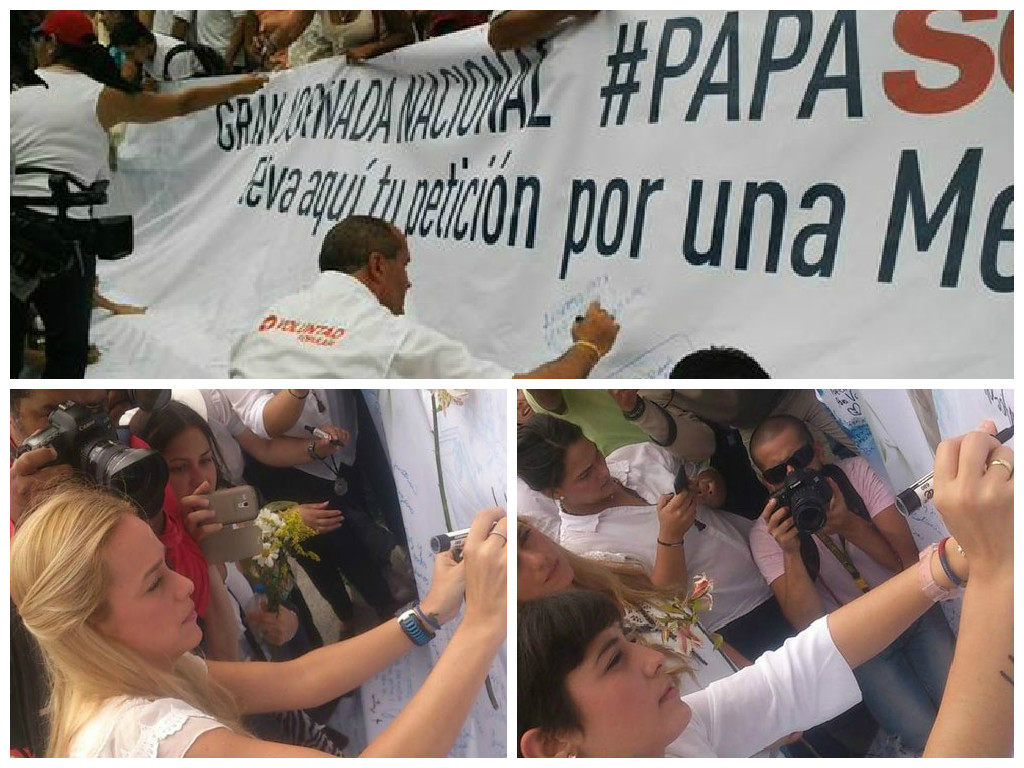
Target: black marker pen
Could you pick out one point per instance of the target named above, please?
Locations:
(445, 541)
(923, 490)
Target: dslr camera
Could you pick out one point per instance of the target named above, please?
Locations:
(807, 494)
(86, 439)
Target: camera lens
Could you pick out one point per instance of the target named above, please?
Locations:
(138, 474)
(807, 495)
(808, 512)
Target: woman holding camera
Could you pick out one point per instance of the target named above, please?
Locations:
(625, 507)
(59, 128)
(116, 627)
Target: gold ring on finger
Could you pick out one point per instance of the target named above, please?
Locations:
(1004, 464)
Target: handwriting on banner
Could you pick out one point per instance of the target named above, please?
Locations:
(998, 398)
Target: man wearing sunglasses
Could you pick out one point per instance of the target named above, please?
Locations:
(864, 542)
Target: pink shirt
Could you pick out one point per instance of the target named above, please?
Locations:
(833, 578)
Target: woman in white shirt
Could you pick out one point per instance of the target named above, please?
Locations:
(60, 125)
(584, 690)
(116, 627)
(625, 506)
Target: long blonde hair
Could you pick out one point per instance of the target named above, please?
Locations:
(59, 584)
(625, 584)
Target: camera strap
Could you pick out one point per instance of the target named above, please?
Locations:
(844, 560)
(856, 505)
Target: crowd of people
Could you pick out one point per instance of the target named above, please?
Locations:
(716, 572)
(223, 42)
(78, 77)
(135, 632)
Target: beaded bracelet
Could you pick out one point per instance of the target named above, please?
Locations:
(947, 568)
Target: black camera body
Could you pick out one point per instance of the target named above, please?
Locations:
(807, 494)
(86, 440)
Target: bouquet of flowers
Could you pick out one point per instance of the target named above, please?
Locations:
(283, 532)
(679, 616)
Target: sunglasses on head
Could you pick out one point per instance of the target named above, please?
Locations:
(800, 459)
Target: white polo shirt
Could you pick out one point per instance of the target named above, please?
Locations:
(337, 328)
(719, 550)
(803, 683)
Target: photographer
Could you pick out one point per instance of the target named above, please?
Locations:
(33, 472)
(715, 426)
(825, 552)
(59, 142)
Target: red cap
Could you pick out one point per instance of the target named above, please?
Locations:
(69, 27)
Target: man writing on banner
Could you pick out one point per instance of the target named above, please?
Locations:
(864, 542)
(349, 323)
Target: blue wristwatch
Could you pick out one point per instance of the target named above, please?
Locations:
(411, 626)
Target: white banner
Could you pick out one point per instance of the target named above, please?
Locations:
(831, 192)
(470, 446)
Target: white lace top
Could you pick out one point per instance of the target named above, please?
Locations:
(133, 727)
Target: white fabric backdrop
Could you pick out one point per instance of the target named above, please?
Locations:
(218, 237)
(472, 441)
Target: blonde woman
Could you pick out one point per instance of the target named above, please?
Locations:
(116, 627)
(544, 568)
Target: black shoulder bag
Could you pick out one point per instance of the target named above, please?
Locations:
(44, 245)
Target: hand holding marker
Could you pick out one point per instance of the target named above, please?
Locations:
(923, 490)
(340, 483)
